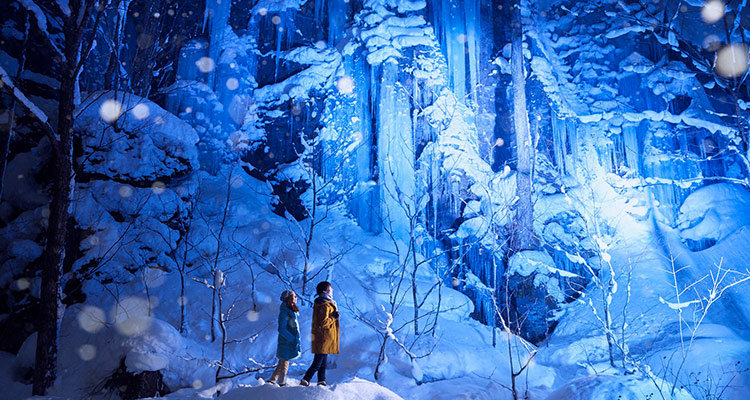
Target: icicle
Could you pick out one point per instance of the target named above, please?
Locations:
(395, 150)
(571, 143)
(217, 13)
(455, 54)
(558, 139)
(277, 58)
(472, 42)
(337, 24)
(319, 5)
(630, 143)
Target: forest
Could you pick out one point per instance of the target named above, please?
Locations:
(462, 199)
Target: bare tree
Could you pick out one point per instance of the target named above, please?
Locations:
(718, 280)
(316, 202)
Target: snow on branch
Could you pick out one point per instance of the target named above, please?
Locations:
(41, 19)
(15, 92)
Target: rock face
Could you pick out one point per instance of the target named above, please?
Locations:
(538, 290)
(140, 385)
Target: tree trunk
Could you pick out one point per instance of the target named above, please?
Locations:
(62, 191)
(524, 235)
(54, 252)
(381, 358)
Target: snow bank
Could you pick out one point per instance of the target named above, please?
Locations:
(12, 390)
(355, 389)
(714, 212)
(608, 387)
(93, 344)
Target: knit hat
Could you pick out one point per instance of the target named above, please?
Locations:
(286, 295)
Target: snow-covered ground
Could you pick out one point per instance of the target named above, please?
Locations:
(460, 362)
(170, 218)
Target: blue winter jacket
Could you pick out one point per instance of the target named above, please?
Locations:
(289, 346)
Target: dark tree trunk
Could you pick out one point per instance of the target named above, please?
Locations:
(62, 186)
(54, 252)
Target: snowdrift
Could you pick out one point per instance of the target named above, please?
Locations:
(355, 389)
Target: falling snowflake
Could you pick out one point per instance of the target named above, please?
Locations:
(130, 316)
(125, 191)
(711, 43)
(345, 84)
(91, 319)
(140, 111)
(153, 277)
(87, 352)
(236, 181)
(232, 84)
(110, 110)
(205, 64)
(252, 316)
(158, 187)
(23, 284)
(712, 11)
(731, 61)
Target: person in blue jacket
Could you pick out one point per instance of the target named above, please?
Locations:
(289, 345)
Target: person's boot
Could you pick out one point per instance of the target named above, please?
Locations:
(304, 383)
(322, 383)
(271, 382)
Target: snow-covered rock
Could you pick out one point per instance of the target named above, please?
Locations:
(131, 139)
(714, 212)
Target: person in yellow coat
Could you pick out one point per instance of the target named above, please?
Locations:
(325, 333)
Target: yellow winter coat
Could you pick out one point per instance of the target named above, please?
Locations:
(325, 327)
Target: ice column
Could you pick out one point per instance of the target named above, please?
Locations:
(395, 151)
(217, 14)
(630, 142)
